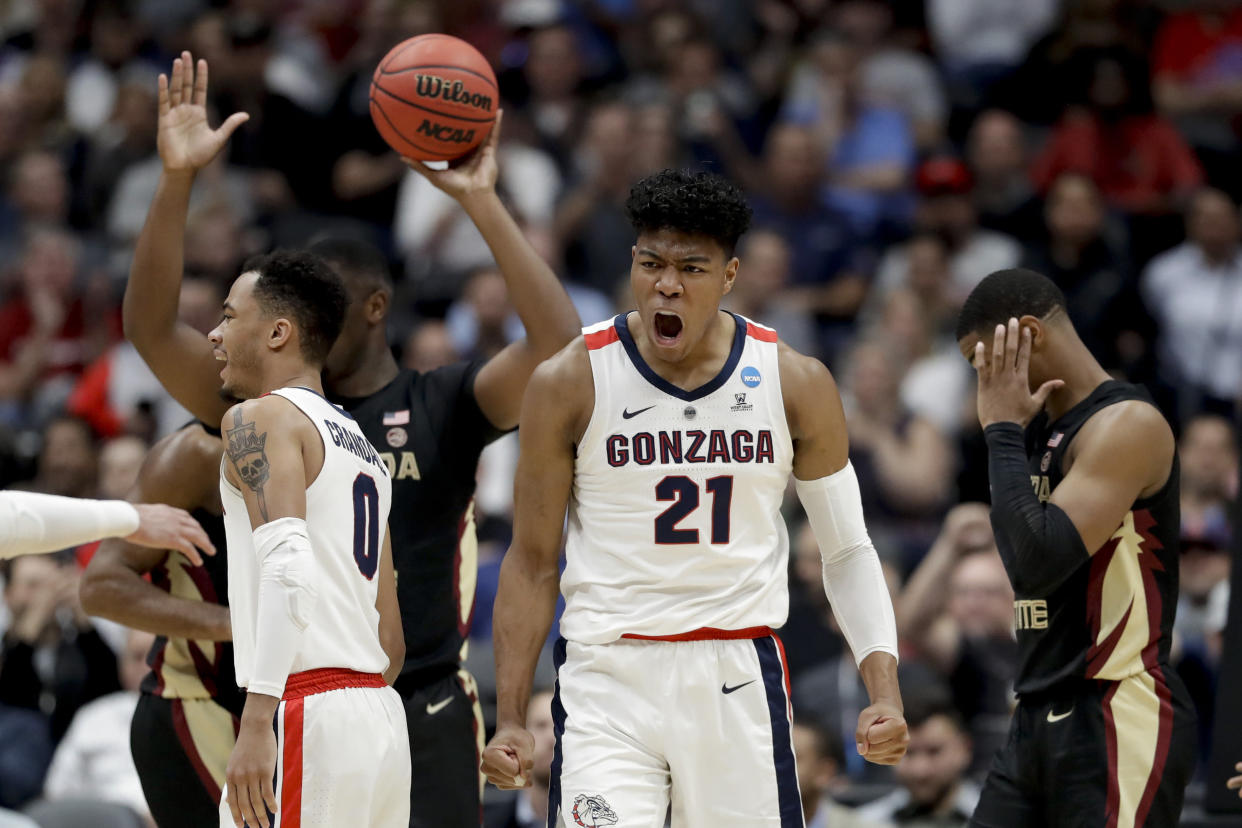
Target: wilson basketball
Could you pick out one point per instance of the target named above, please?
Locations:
(434, 98)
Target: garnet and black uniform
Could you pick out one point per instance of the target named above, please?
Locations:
(1104, 732)
(186, 721)
(430, 431)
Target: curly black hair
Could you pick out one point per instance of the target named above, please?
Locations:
(304, 288)
(1016, 292)
(695, 203)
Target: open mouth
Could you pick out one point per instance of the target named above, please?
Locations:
(667, 327)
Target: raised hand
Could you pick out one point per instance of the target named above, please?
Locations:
(186, 143)
(476, 173)
(1004, 378)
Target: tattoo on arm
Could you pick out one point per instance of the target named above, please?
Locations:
(246, 450)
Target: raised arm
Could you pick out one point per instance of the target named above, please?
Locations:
(529, 575)
(265, 440)
(541, 302)
(179, 355)
(853, 579)
(181, 470)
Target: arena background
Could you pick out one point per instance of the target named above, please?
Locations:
(894, 152)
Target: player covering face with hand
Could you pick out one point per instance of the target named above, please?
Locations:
(669, 433)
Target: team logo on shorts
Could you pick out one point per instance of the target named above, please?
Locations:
(593, 811)
(1046, 462)
(397, 437)
(751, 377)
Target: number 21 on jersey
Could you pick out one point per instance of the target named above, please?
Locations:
(685, 495)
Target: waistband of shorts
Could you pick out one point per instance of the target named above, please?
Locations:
(706, 634)
(313, 682)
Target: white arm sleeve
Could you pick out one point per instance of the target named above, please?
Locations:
(287, 595)
(853, 579)
(31, 523)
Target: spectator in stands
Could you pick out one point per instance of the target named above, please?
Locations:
(429, 346)
(483, 322)
(93, 760)
(68, 462)
(1209, 463)
(54, 660)
(936, 379)
(1136, 158)
(547, 96)
(946, 207)
(965, 631)
(529, 807)
(762, 293)
(119, 462)
(25, 753)
(997, 154)
(1075, 251)
(1197, 84)
(818, 756)
(1195, 293)
(94, 84)
(869, 148)
(903, 460)
(934, 792)
(126, 138)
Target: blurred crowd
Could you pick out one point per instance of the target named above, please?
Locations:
(895, 152)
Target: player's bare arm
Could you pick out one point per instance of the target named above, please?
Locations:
(853, 579)
(554, 414)
(181, 470)
(274, 453)
(537, 295)
(1108, 469)
(179, 355)
(392, 638)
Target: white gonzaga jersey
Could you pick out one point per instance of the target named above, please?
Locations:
(674, 518)
(346, 519)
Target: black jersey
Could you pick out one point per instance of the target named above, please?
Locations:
(1113, 618)
(186, 669)
(429, 431)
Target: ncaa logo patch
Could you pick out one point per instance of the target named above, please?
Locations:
(397, 437)
(593, 812)
(751, 377)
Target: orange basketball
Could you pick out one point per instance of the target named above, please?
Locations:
(434, 98)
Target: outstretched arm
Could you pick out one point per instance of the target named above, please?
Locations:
(541, 302)
(179, 355)
(181, 470)
(529, 576)
(853, 579)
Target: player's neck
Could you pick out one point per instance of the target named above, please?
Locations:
(1081, 374)
(374, 371)
(301, 376)
(701, 363)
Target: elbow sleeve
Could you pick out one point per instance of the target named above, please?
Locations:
(853, 579)
(287, 597)
(1038, 542)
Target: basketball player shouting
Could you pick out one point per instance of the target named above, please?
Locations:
(428, 427)
(670, 433)
(312, 597)
(1085, 509)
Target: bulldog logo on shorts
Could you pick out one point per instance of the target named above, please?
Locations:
(593, 812)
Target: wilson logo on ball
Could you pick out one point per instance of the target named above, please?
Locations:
(433, 86)
(445, 133)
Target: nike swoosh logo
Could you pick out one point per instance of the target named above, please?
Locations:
(726, 689)
(1056, 717)
(433, 709)
(626, 413)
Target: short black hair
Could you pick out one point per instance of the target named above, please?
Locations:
(1016, 292)
(695, 203)
(353, 259)
(827, 741)
(303, 287)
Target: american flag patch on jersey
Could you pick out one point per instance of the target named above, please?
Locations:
(1053, 441)
(397, 418)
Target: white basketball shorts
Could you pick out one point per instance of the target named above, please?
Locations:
(699, 721)
(342, 754)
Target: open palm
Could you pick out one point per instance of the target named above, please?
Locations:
(186, 143)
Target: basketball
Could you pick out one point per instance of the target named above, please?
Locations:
(434, 98)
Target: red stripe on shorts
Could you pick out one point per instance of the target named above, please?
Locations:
(291, 779)
(323, 679)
